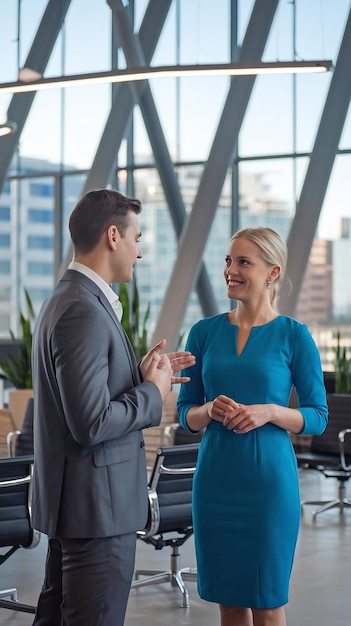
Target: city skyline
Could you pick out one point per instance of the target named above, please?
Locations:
(35, 269)
(271, 139)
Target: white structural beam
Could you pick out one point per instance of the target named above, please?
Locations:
(37, 59)
(322, 158)
(198, 226)
(134, 55)
(123, 102)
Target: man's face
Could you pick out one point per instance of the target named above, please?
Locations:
(127, 251)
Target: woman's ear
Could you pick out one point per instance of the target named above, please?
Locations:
(274, 273)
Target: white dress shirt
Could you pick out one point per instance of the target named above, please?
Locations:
(111, 296)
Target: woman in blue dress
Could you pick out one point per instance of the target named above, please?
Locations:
(246, 503)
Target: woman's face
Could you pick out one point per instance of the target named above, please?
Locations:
(245, 272)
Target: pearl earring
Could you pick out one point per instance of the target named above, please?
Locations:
(268, 285)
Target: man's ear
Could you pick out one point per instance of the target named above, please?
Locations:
(112, 236)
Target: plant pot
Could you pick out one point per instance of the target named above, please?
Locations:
(18, 399)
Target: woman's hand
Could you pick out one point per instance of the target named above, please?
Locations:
(238, 417)
(244, 418)
(221, 408)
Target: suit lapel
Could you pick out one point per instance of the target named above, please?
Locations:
(93, 287)
(129, 350)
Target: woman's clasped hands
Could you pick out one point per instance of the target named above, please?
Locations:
(240, 418)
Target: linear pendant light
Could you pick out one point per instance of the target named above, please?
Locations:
(145, 73)
(7, 128)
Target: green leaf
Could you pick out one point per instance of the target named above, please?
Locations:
(342, 367)
(131, 320)
(19, 370)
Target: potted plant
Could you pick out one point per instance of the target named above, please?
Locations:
(136, 329)
(18, 370)
(339, 402)
(131, 320)
(342, 366)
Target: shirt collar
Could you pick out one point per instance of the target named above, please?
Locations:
(111, 296)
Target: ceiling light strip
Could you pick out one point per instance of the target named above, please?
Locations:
(145, 73)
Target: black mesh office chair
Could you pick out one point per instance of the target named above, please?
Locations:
(330, 454)
(178, 436)
(170, 514)
(15, 527)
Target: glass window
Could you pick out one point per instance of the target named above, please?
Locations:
(4, 323)
(5, 266)
(40, 242)
(5, 240)
(337, 200)
(40, 268)
(262, 184)
(39, 294)
(41, 189)
(5, 293)
(6, 187)
(4, 213)
(40, 216)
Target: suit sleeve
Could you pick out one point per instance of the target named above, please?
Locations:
(100, 398)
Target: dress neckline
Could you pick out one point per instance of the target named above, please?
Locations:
(258, 325)
(240, 348)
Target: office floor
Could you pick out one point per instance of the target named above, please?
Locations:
(320, 593)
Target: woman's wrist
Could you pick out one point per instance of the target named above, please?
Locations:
(198, 417)
(209, 407)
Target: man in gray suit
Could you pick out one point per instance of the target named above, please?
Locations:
(92, 401)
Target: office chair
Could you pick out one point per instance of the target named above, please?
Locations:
(178, 436)
(170, 514)
(15, 527)
(330, 454)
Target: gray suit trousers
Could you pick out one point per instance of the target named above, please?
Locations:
(87, 581)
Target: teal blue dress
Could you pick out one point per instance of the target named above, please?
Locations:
(246, 502)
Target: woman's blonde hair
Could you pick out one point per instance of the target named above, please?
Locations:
(273, 251)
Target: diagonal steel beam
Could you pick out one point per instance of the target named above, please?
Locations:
(37, 59)
(194, 237)
(135, 57)
(123, 101)
(122, 108)
(322, 158)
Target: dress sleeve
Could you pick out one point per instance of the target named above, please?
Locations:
(191, 393)
(309, 383)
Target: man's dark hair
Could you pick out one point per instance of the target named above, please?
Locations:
(95, 212)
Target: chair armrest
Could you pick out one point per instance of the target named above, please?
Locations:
(10, 441)
(342, 434)
(13, 482)
(174, 470)
(154, 518)
(170, 430)
(153, 521)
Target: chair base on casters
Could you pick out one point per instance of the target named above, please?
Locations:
(340, 503)
(176, 576)
(13, 603)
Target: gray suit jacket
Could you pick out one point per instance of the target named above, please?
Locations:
(90, 407)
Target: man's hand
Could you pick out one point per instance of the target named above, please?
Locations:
(178, 361)
(157, 369)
